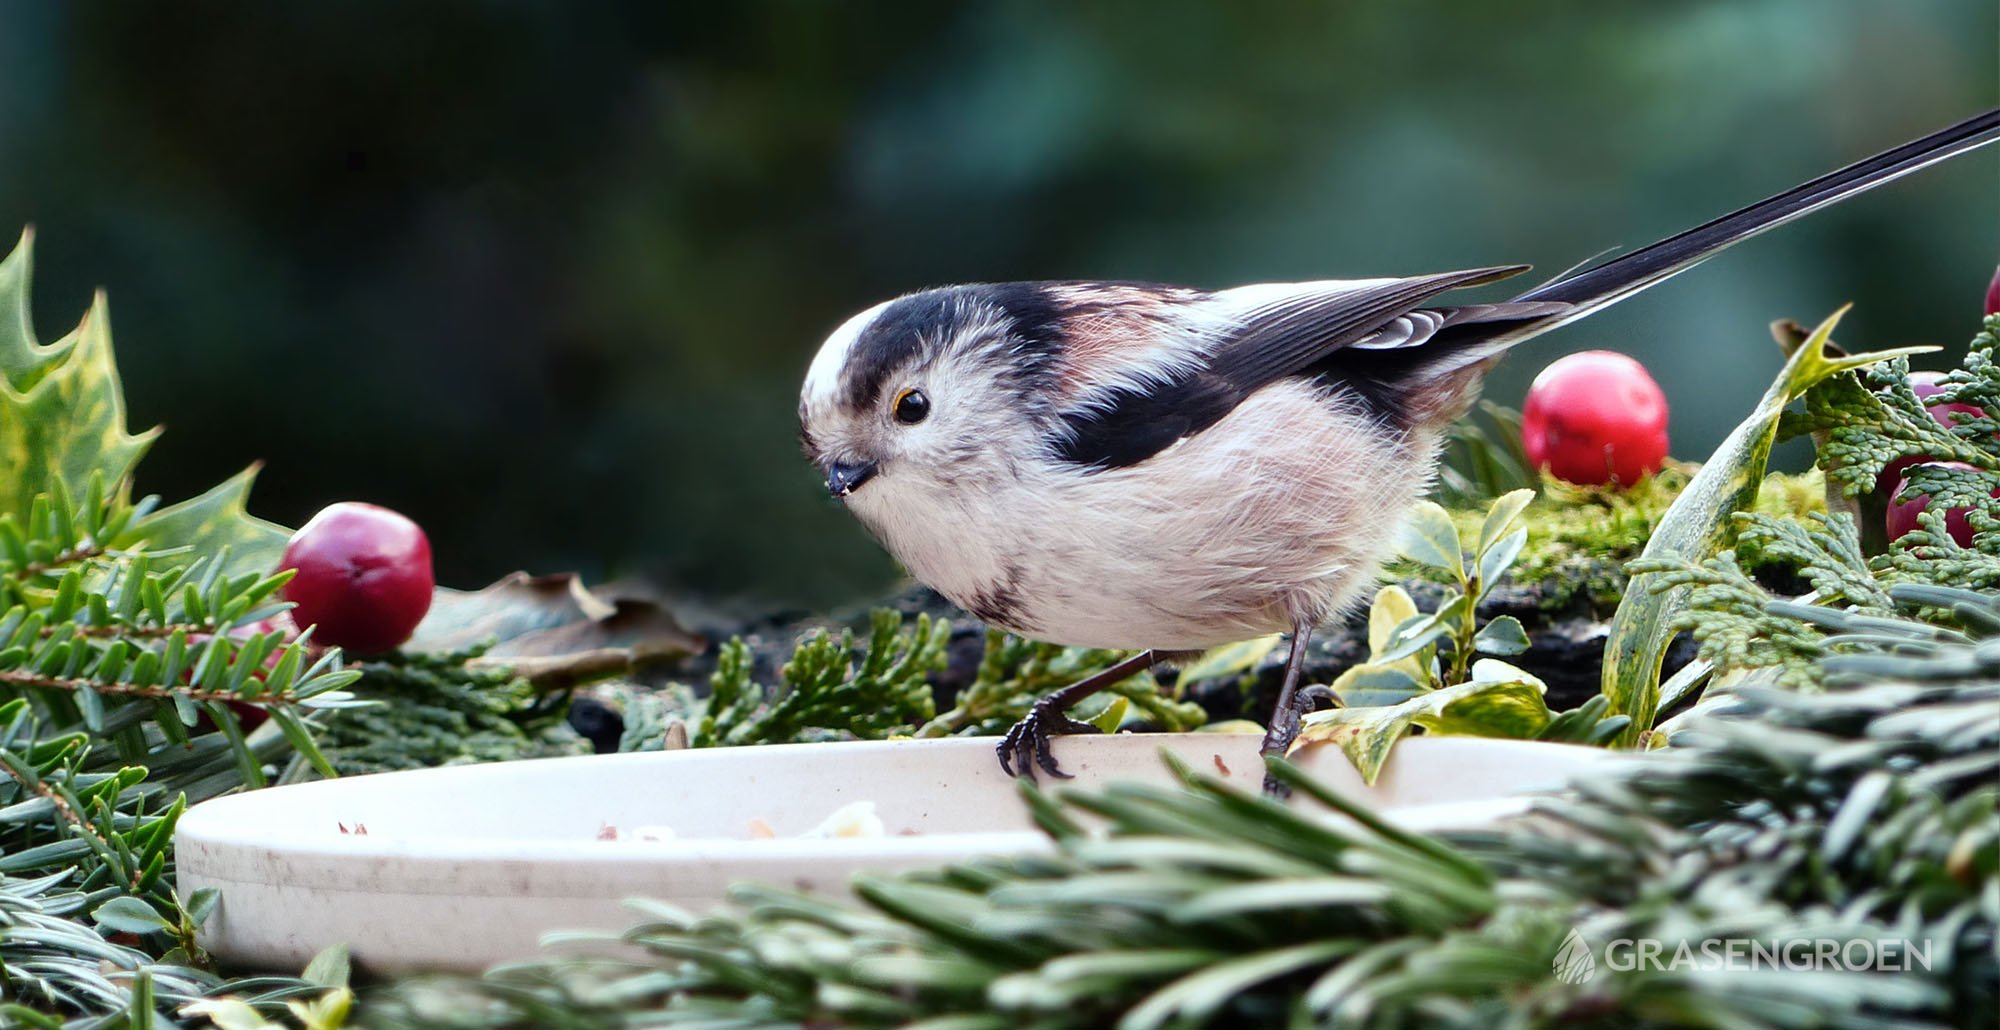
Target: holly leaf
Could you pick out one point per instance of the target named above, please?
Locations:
(1393, 681)
(127, 914)
(330, 968)
(62, 419)
(1392, 607)
(1367, 684)
(1422, 631)
(218, 519)
(62, 410)
(1501, 517)
(229, 1014)
(1112, 717)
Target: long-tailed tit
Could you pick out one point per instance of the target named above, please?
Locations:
(1166, 469)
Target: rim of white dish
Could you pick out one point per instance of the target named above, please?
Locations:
(229, 823)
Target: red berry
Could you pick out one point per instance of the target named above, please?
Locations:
(1924, 385)
(1929, 384)
(1595, 417)
(1993, 294)
(364, 576)
(1902, 516)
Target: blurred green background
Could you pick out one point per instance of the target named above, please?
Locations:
(545, 276)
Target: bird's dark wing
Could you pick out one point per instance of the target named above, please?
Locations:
(1272, 332)
(1130, 425)
(1282, 330)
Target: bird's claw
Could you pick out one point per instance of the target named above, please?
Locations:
(1310, 698)
(1285, 725)
(1027, 744)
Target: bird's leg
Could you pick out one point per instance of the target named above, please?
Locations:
(1291, 705)
(1027, 744)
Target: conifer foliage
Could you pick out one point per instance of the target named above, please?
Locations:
(132, 645)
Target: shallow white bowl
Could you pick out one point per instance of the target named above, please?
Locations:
(463, 867)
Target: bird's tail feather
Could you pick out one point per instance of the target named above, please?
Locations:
(1613, 280)
(1445, 370)
(1461, 350)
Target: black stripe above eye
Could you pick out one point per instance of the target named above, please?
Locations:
(892, 341)
(900, 335)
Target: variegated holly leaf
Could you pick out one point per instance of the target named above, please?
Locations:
(1421, 633)
(62, 419)
(62, 411)
(1499, 701)
(215, 520)
(1698, 525)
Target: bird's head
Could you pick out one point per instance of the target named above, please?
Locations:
(933, 392)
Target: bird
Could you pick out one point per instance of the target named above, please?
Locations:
(1166, 469)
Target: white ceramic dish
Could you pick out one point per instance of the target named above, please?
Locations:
(462, 867)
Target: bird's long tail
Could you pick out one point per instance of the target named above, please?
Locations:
(1613, 280)
(1458, 354)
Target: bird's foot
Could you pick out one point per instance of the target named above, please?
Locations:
(1027, 744)
(1285, 725)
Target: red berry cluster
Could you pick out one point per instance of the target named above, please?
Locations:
(1902, 515)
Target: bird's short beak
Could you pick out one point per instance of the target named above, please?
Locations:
(843, 478)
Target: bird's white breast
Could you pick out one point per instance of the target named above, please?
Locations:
(1281, 511)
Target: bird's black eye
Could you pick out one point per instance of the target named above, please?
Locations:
(911, 407)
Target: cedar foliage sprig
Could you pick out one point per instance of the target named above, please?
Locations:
(829, 686)
(1739, 625)
(834, 687)
(1869, 424)
(1864, 425)
(1015, 672)
(442, 708)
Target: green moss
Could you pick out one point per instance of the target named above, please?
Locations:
(1580, 537)
(1785, 495)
